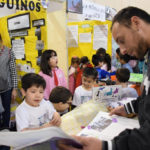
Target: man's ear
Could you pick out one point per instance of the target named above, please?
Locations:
(23, 92)
(135, 22)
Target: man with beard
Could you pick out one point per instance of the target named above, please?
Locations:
(131, 30)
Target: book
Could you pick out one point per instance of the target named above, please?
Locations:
(48, 138)
(106, 127)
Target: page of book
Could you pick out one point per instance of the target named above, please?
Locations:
(106, 127)
(50, 137)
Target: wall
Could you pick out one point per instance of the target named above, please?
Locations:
(117, 4)
(57, 36)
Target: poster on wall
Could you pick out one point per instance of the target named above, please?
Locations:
(100, 36)
(19, 22)
(18, 48)
(73, 36)
(85, 37)
(110, 13)
(93, 11)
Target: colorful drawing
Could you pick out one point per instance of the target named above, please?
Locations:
(115, 91)
(109, 93)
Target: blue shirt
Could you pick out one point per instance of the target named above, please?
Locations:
(127, 65)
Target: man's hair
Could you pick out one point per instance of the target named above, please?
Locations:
(123, 74)
(60, 94)
(96, 59)
(44, 65)
(90, 72)
(31, 79)
(124, 16)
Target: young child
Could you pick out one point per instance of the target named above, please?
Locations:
(34, 112)
(101, 52)
(124, 60)
(84, 62)
(50, 72)
(98, 63)
(61, 99)
(122, 77)
(73, 69)
(107, 63)
(83, 93)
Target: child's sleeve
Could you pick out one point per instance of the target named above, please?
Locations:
(21, 119)
(76, 98)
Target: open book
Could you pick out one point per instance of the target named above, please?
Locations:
(106, 127)
(52, 138)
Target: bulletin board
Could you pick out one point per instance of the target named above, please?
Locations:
(86, 48)
(29, 63)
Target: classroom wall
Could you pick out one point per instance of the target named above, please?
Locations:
(57, 36)
(117, 4)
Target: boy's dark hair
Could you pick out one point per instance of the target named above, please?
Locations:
(101, 52)
(96, 59)
(44, 66)
(124, 16)
(123, 74)
(75, 59)
(31, 79)
(60, 94)
(118, 51)
(125, 57)
(107, 60)
(84, 60)
(90, 72)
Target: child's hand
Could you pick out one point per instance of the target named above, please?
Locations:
(56, 121)
(46, 125)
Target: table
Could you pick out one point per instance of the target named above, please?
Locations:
(81, 116)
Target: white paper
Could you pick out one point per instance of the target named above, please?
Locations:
(106, 127)
(85, 37)
(73, 36)
(93, 11)
(18, 48)
(100, 36)
(106, 93)
(18, 140)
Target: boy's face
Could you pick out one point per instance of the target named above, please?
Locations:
(33, 95)
(64, 106)
(87, 82)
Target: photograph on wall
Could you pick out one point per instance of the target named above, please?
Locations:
(74, 6)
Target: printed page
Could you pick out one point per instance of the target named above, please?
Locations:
(106, 127)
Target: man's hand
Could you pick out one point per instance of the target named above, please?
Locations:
(89, 143)
(120, 111)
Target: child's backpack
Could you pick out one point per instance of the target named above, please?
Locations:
(4, 69)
